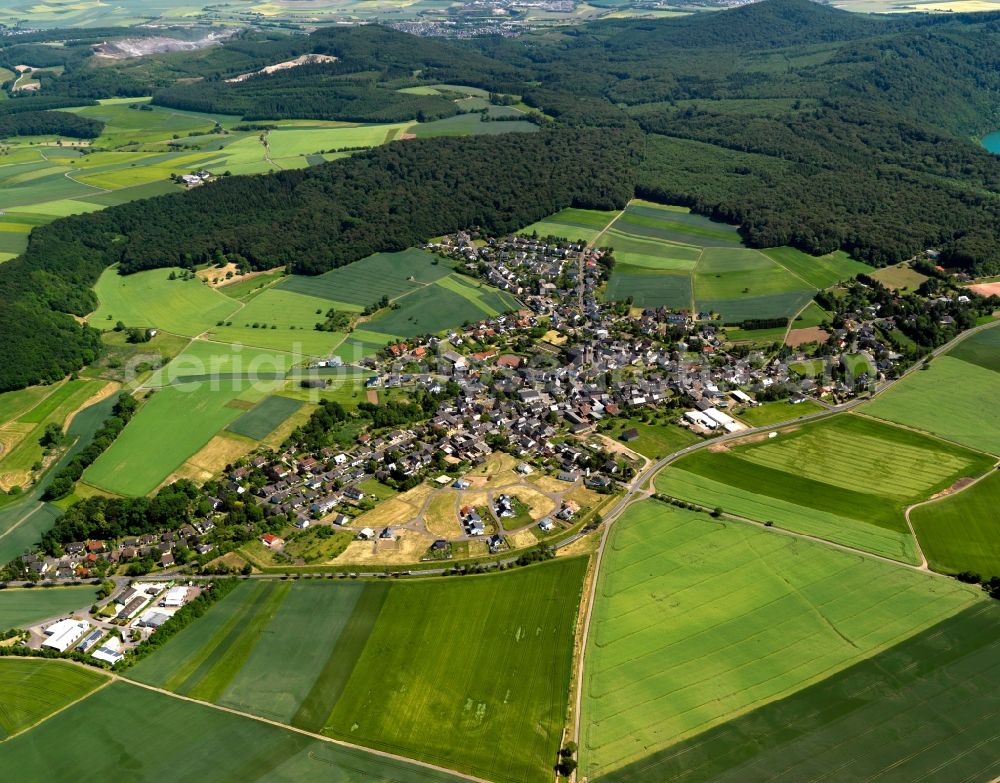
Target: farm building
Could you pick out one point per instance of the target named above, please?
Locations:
(271, 541)
(64, 633)
(743, 397)
(629, 435)
(366, 534)
(90, 639)
(546, 524)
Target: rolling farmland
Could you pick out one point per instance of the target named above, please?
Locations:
(265, 417)
(31, 689)
(949, 398)
(962, 532)
(408, 686)
(675, 651)
(667, 256)
(572, 224)
(816, 480)
(912, 712)
(129, 727)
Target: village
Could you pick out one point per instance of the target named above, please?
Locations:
(535, 395)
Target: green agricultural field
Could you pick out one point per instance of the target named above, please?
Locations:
(480, 683)
(31, 689)
(962, 532)
(573, 224)
(265, 417)
(447, 303)
(910, 713)
(287, 142)
(203, 360)
(647, 288)
(54, 409)
(818, 271)
(812, 315)
(21, 607)
(901, 276)
(774, 412)
(740, 284)
(816, 480)
(470, 124)
(130, 727)
(981, 348)
(254, 286)
(280, 320)
(655, 440)
(675, 224)
(170, 426)
(17, 403)
(368, 676)
(366, 281)
(675, 651)
(152, 299)
(951, 399)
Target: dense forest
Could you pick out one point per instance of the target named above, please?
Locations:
(804, 124)
(310, 220)
(49, 123)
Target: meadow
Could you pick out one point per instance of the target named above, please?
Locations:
(816, 479)
(675, 651)
(152, 299)
(961, 532)
(281, 320)
(912, 712)
(950, 399)
(778, 411)
(478, 684)
(129, 727)
(655, 440)
(818, 271)
(20, 607)
(31, 689)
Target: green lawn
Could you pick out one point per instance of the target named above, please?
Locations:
(950, 399)
(913, 712)
(675, 651)
(31, 689)
(20, 607)
(655, 440)
(152, 299)
(962, 532)
(812, 315)
(156, 737)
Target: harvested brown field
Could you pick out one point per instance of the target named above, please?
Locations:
(986, 289)
(813, 334)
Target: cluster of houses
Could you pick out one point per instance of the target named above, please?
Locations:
(83, 559)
